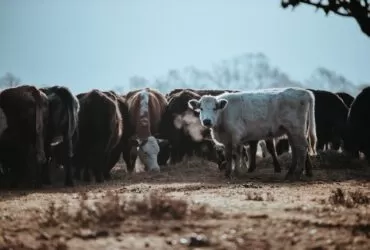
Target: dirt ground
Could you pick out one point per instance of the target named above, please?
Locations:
(192, 206)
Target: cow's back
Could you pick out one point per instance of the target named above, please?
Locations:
(265, 106)
(95, 117)
(347, 98)
(19, 105)
(359, 113)
(156, 107)
(329, 108)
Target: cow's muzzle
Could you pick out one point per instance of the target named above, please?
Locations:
(207, 123)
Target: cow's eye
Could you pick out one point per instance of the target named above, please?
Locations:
(201, 109)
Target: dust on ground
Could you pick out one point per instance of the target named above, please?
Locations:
(192, 206)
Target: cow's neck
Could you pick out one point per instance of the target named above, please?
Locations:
(143, 128)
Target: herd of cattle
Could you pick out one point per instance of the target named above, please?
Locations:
(42, 128)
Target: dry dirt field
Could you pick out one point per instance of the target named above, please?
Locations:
(192, 206)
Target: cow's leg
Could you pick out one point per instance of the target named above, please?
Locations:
(98, 166)
(238, 151)
(301, 146)
(271, 149)
(308, 166)
(112, 161)
(293, 164)
(221, 158)
(35, 166)
(252, 156)
(321, 140)
(68, 155)
(336, 143)
(229, 160)
(77, 166)
(46, 166)
(129, 155)
(86, 166)
(173, 155)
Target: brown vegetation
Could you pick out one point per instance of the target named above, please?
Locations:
(191, 205)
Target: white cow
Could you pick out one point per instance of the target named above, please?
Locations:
(236, 118)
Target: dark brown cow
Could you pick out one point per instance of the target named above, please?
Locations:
(123, 147)
(146, 107)
(100, 130)
(22, 142)
(63, 122)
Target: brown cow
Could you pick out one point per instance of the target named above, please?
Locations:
(22, 142)
(100, 130)
(146, 107)
(123, 147)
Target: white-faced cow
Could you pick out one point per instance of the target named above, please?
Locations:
(236, 118)
(146, 108)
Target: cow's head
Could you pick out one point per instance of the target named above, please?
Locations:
(147, 150)
(209, 109)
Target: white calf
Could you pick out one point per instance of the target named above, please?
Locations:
(236, 118)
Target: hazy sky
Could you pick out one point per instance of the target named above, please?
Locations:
(89, 44)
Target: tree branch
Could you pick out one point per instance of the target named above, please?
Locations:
(358, 9)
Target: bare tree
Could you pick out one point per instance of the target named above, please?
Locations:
(9, 80)
(357, 9)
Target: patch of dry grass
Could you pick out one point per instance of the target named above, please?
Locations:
(113, 208)
(257, 196)
(349, 199)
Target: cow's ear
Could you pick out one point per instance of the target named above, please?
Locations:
(221, 104)
(194, 104)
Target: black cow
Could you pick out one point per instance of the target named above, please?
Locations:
(330, 115)
(99, 132)
(181, 142)
(358, 134)
(62, 122)
(22, 142)
(347, 98)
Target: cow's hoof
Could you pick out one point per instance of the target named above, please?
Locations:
(228, 174)
(36, 185)
(309, 173)
(251, 170)
(290, 176)
(99, 179)
(46, 182)
(222, 166)
(277, 170)
(107, 176)
(155, 170)
(69, 183)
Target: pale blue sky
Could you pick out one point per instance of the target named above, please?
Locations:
(89, 44)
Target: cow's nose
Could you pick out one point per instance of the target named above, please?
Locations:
(207, 122)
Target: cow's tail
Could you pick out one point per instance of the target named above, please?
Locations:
(73, 107)
(116, 124)
(40, 151)
(312, 138)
